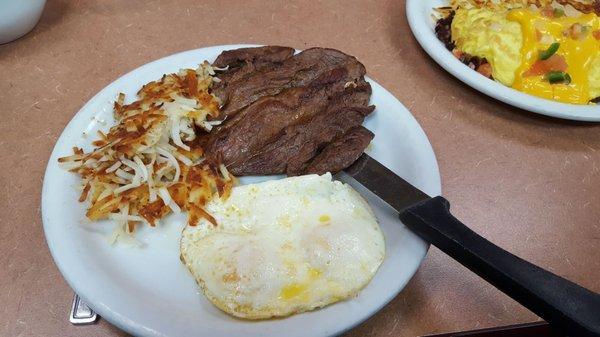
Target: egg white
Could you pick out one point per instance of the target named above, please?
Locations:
(285, 246)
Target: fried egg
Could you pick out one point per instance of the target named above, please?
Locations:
(514, 41)
(283, 247)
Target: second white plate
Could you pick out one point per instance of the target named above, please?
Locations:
(148, 291)
(420, 20)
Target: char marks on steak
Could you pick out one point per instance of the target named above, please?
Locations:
(289, 114)
(301, 142)
(257, 56)
(299, 70)
(240, 63)
(262, 121)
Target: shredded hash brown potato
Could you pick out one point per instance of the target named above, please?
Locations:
(150, 163)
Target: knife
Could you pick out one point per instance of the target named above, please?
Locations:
(536, 329)
(567, 306)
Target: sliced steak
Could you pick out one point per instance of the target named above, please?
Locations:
(301, 142)
(256, 55)
(265, 119)
(289, 114)
(242, 62)
(341, 153)
(357, 94)
(296, 71)
(354, 95)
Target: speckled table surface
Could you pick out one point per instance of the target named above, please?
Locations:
(528, 183)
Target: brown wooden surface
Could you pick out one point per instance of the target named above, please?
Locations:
(531, 184)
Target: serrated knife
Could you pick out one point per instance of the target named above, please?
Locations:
(565, 305)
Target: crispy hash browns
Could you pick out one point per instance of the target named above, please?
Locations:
(151, 163)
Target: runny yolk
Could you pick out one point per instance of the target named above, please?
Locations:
(577, 52)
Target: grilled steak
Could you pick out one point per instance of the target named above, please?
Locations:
(301, 142)
(296, 71)
(257, 56)
(283, 112)
(242, 62)
(262, 121)
(341, 153)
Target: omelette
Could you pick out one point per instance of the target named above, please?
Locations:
(283, 247)
(542, 48)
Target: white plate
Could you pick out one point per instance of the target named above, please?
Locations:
(148, 291)
(422, 25)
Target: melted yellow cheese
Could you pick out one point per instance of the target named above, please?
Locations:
(488, 34)
(580, 54)
(594, 77)
(511, 41)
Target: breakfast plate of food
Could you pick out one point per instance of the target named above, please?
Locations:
(198, 195)
(541, 56)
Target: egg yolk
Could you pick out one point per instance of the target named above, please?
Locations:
(297, 291)
(579, 52)
(324, 218)
(292, 291)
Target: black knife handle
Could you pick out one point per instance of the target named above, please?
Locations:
(562, 303)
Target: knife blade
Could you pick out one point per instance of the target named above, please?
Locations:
(565, 305)
(388, 186)
(535, 329)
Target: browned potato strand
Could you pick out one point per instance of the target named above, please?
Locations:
(150, 163)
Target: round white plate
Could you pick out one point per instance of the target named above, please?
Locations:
(422, 24)
(148, 291)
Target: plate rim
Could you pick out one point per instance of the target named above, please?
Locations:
(425, 36)
(117, 318)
